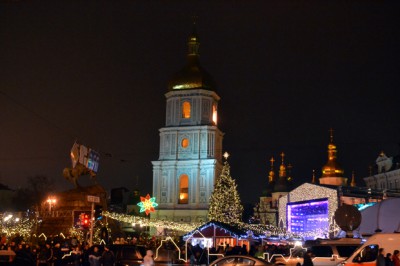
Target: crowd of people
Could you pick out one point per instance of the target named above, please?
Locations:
(49, 254)
(59, 251)
(389, 259)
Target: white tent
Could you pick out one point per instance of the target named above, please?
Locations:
(384, 215)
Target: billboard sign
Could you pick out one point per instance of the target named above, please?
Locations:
(85, 156)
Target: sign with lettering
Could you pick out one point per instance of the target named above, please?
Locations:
(94, 199)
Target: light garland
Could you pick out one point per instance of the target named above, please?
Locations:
(182, 227)
(260, 230)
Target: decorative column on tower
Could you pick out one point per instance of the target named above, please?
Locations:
(190, 156)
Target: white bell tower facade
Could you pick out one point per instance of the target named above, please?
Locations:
(190, 156)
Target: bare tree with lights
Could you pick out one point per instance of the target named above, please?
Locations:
(225, 204)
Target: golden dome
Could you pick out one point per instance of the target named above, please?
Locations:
(282, 167)
(332, 168)
(193, 75)
(271, 175)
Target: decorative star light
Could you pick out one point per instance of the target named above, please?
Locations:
(147, 204)
(226, 155)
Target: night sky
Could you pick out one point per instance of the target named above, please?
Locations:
(286, 72)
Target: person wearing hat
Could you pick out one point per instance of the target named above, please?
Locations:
(107, 258)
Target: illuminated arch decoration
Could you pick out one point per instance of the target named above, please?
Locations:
(205, 239)
(297, 245)
(67, 255)
(147, 204)
(43, 235)
(173, 242)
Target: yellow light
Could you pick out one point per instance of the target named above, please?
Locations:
(51, 200)
(214, 115)
(173, 242)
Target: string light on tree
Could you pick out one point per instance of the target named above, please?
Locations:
(225, 204)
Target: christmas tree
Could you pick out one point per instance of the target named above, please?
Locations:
(225, 205)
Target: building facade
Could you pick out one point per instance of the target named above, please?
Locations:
(190, 156)
(310, 208)
(387, 175)
(266, 210)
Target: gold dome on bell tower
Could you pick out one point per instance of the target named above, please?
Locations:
(332, 172)
(192, 75)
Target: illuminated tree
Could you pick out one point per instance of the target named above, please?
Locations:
(225, 205)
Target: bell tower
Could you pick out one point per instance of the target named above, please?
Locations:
(190, 156)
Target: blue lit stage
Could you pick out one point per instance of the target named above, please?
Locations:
(308, 216)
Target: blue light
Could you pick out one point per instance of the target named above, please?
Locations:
(308, 216)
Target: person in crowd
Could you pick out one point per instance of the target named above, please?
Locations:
(85, 255)
(23, 256)
(198, 258)
(76, 256)
(380, 261)
(57, 254)
(243, 250)
(388, 259)
(45, 255)
(94, 258)
(307, 259)
(396, 258)
(3, 240)
(107, 258)
(260, 252)
(148, 259)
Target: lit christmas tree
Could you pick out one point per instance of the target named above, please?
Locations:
(225, 205)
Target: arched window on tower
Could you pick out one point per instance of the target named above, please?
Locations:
(214, 114)
(183, 189)
(186, 110)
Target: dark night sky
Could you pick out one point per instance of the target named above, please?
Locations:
(286, 71)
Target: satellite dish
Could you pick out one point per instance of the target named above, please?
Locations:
(348, 217)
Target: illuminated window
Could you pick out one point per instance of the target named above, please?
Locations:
(214, 114)
(186, 110)
(185, 143)
(183, 189)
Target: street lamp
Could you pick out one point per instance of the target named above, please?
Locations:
(51, 201)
